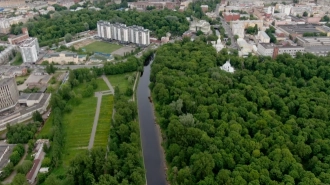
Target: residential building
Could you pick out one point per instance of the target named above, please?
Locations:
(228, 16)
(227, 67)
(122, 33)
(64, 58)
(267, 49)
(19, 38)
(5, 23)
(8, 94)
(30, 50)
(263, 37)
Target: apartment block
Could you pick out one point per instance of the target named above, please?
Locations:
(29, 50)
(8, 94)
(122, 33)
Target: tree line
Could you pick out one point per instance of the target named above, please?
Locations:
(264, 124)
(14, 158)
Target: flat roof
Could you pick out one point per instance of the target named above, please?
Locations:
(300, 28)
(34, 96)
(5, 81)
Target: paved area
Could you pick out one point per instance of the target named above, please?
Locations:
(108, 83)
(96, 119)
(98, 106)
(123, 50)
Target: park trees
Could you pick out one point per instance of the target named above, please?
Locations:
(264, 124)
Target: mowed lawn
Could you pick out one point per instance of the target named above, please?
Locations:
(103, 126)
(103, 47)
(121, 81)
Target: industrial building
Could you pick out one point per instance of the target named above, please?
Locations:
(29, 50)
(317, 45)
(8, 94)
(122, 33)
(267, 49)
(263, 37)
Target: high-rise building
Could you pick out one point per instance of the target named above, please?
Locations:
(30, 50)
(8, 94)
(121, 32)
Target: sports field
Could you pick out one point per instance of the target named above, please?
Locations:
(103, 47)
(103, 126)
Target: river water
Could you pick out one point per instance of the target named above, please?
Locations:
(152, 151)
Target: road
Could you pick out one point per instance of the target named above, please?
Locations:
(150, 136)
(229, 33)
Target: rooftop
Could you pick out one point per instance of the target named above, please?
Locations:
(300, 28)
(28, 42)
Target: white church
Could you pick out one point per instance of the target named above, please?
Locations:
(217, 44)
(227, 67)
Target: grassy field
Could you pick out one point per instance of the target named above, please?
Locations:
(103, 126)
(103, 47)
(77, 124)
(121, 81)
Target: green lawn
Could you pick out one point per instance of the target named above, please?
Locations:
(121, 81)
(77, 124)
(103, 126)
(103, 47)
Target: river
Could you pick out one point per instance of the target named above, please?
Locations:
(151, 146)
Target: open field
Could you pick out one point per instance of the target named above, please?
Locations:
(121, 81)
(103, 47)
(83, 43)
(103, 126)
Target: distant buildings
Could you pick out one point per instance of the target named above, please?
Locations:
(8, 94)
(65, 58)
(5, 23)
(29, 50)
(131, 34)
(238, 27)
(200, 25)
(12, 3)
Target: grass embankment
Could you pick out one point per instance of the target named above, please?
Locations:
(103, 126)
(121, 81)
(103, 47)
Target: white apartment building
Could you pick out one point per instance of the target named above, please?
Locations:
(29, 50)
(121, 32)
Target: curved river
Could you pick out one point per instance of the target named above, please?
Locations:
(150, 137)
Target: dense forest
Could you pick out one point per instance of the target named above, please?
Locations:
(50, 30)
(267, 123)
